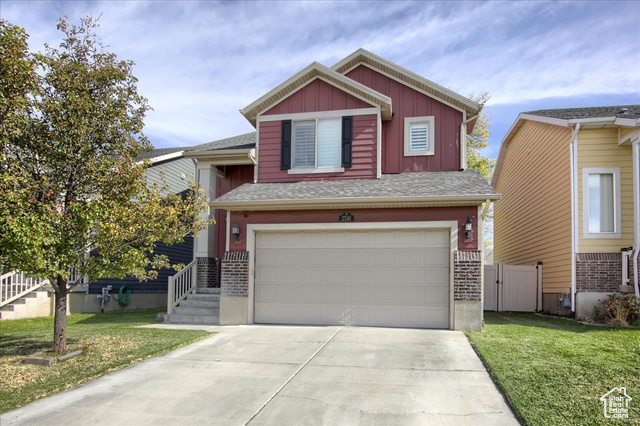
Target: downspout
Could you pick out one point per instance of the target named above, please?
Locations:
(573, 146)
(463, 142)
(636, 217)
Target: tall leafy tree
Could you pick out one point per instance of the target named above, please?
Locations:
(74, 201)
(478, 140)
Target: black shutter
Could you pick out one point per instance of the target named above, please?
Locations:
(347, 137)
(285, 146)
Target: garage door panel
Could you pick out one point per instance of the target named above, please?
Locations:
(376, 278)
(358, 276)
(437, 276)
(310, 293)
(287, 274)
(310, 257)
(266, 293)
(267, 274)
(334, 294)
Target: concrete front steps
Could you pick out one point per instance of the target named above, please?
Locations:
(200, 308)
(31, 305)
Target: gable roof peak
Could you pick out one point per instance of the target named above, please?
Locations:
(409, 78)
(311, 72)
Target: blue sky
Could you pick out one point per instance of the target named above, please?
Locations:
(199, 62)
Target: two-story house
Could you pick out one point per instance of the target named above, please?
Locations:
(350, 204)
(570, 187)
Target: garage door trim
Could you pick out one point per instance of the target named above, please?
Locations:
(252, 229)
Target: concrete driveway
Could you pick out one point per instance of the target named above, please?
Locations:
(279, 375)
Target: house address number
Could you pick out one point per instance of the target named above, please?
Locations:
(346, 217)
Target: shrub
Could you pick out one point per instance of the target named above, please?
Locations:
(622, 309)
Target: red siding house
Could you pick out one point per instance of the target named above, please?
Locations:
(350, 204)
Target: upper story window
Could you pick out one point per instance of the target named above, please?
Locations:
(419, 136)
(320, 145)
(316, 143)
(601, 202)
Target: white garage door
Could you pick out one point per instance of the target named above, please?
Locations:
(382, 278)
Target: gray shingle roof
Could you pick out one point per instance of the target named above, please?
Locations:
(422, 184)
(247, 140)
(632, 112)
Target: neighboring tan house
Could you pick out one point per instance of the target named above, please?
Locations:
(570, 192)
(350, 204)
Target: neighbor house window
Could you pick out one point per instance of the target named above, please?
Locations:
(317, 143)
(419, 136)
(601, 204)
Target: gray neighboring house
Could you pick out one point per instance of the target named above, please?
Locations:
(178, 172)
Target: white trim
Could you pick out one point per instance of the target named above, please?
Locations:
(573, 168)
(615, 171)
(539, 119)
(379, 144)
(430, 121)
(358, 202)
(463, 142)
(451, 225)
(319, 114)
(161, 158)
(309, 170)
(227, 242)
(255, 164)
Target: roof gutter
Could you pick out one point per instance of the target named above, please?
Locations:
(360, 202)
(636, 218)
(573, 146)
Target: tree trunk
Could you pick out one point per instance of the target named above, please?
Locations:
(60, 321)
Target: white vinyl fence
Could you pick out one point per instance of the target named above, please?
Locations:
(512, 288)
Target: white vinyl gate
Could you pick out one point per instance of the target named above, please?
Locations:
(512, 288)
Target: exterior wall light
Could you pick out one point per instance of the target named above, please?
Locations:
(235, 230)
(467, 229)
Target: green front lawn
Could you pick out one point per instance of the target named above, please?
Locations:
(110, 342)
(553, 371)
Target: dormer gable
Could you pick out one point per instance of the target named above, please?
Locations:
(308, 75)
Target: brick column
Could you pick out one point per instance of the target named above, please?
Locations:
(467, 275)
(208, 272)
(234, 280)
(598, 272)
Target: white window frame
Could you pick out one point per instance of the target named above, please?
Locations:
(294, 170)
(430, 121)
(617, 205)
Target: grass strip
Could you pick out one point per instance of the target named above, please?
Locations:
(554, 371)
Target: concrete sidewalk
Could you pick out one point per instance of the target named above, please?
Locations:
(280, 375)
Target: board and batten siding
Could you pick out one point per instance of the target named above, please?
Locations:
(532, 220)
(408, 102)
(177, 174)
(317, 96)
(364, 154)
(599, 148)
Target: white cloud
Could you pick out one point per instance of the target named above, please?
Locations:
(200, 62)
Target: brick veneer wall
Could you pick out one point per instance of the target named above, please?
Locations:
(598, 272)
(208, 272)
(467, 275)
(234, 280)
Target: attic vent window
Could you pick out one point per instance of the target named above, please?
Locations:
(419, 136)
